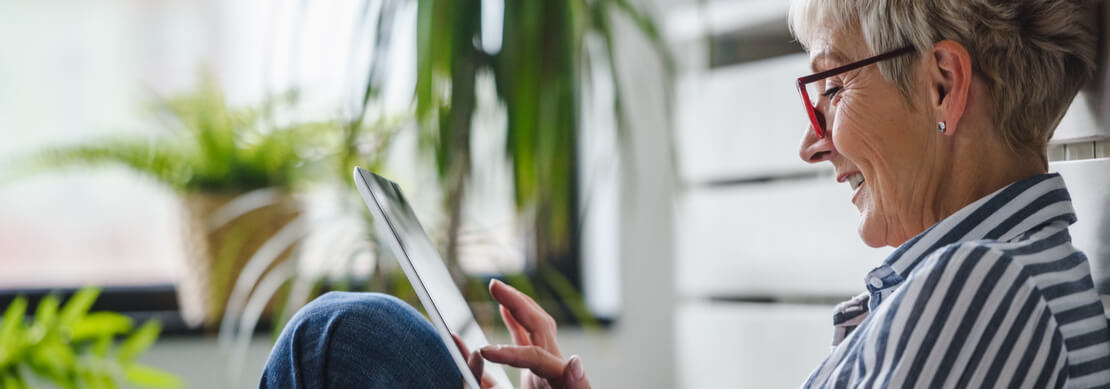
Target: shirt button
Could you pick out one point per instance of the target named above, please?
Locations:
(876, 282)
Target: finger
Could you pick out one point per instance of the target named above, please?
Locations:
(477, 370)
(516, 331)
(540, 325)
(541, 362)
(488, 383)
(574, 375)
(476, 364)
(459, 342)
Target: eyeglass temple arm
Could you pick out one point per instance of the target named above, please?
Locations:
(854, 65)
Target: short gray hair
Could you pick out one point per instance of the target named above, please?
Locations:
(1033, 55)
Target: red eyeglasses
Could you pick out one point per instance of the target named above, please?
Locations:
(807, 86)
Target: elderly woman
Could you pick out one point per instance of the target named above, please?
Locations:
(937, 114)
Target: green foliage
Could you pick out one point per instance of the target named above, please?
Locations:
(539, 72)
(213, 147)
(73, 348)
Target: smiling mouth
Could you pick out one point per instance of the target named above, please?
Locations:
(855, 180)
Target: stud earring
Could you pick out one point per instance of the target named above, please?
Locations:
(942, 127)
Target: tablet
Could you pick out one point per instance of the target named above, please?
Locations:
(448, 311)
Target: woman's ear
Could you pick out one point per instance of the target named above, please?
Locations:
(950, 82)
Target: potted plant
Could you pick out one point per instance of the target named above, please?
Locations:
(235, 172)
(72, 348)
(547, 55)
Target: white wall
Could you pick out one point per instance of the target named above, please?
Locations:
(639, 351)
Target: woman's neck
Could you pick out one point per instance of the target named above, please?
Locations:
(981, 168)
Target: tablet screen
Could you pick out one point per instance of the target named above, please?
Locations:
(448, 310)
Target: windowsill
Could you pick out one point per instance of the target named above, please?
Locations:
(159, 301)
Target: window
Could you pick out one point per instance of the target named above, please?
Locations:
(91, 69)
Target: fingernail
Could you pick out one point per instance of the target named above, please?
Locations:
(576, 368)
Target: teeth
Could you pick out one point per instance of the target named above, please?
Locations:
(855, 180)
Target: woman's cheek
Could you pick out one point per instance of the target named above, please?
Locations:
(856, 117)
(846, 134)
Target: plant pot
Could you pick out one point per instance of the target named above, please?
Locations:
(217, 250)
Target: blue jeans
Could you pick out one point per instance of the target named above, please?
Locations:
(359, 340)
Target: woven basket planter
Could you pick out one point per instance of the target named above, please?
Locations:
(216, 255)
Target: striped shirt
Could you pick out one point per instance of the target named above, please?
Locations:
(994, 295)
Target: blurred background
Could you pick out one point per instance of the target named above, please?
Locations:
(180, 170)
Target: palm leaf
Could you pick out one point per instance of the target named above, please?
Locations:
(213, 148)
(538, 74)
(154, 160)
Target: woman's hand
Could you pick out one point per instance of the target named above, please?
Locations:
(534, 349)
(475, 362)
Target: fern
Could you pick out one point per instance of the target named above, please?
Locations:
(212, 147)
(73, 348)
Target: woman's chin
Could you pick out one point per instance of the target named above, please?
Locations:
(870, 230)
(872, 227)
(870, 241)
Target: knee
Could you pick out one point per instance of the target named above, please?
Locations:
(349, 331)
(364, 308)
(372, 323)
(358, 337)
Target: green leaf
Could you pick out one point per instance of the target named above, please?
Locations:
(213, 146)
(78, 305)
(106, 381)
(102, 346)
(11, 331)
(99, 324)
(46, 315)
(12, 381)
(87, 379)
(157, 160)
(53, 358)
(13, 318)
(150, 377)
(140, 341)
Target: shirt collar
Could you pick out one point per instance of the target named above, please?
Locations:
(1004, 215)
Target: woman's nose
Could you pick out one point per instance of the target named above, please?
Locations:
(815, 149)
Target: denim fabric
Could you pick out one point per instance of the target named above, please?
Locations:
(359, 340)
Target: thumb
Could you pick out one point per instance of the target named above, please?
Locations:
(575, 375)
(476, 364)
